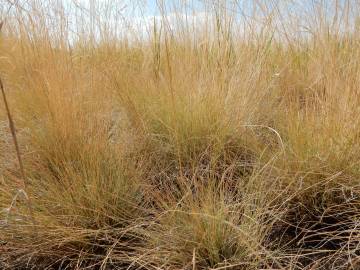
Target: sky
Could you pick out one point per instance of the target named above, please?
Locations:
(151, 7)
(120, 16)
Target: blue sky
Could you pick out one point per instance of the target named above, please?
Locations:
(143, 18)
(151, 7)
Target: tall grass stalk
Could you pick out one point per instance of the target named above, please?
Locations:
(22, 190)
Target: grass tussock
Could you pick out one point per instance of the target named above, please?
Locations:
(225, 135)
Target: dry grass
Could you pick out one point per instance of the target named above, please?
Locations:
(228, 145)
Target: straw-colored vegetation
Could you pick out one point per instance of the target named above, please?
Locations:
(225, 139)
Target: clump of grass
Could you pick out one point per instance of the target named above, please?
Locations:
(192, 123)
(86, 196)
(213, 226)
